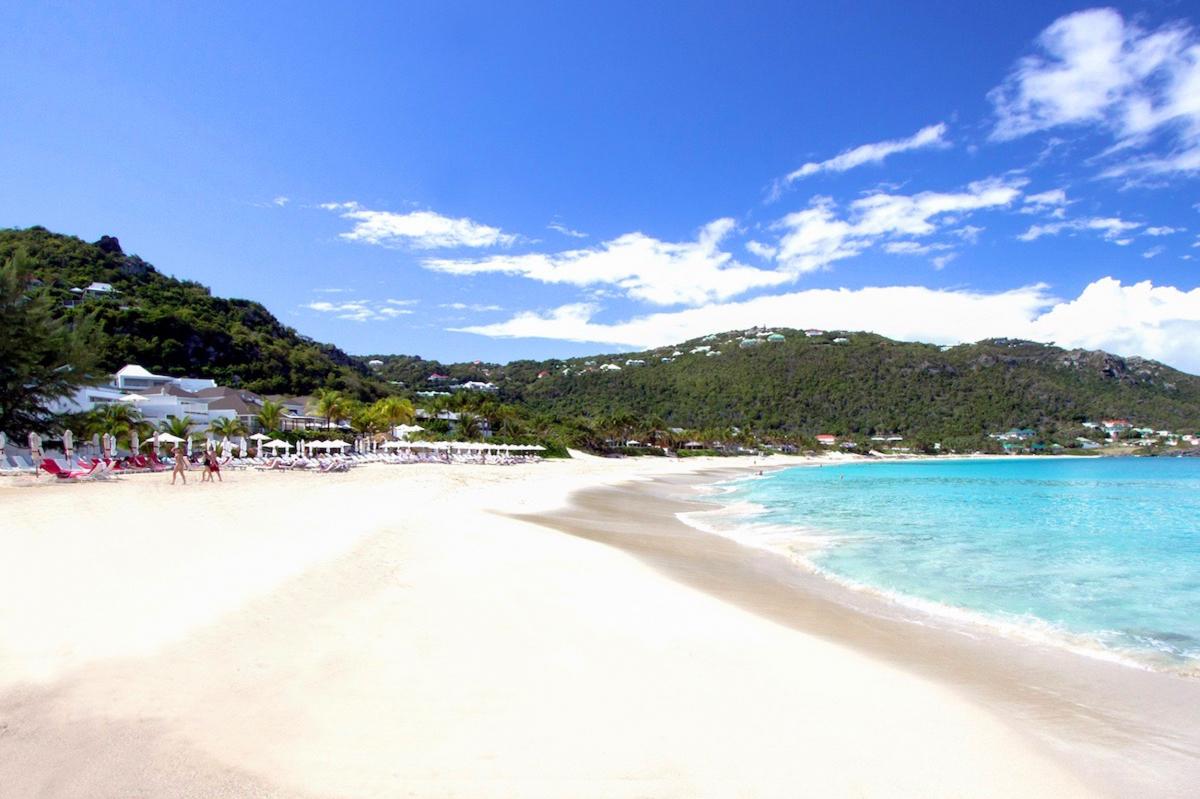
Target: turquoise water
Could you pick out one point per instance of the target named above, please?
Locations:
(1100, 552)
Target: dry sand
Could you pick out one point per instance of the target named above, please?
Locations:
(399, 631)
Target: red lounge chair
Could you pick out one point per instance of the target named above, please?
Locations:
(51, 466)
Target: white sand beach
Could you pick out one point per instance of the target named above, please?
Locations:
(395, 631)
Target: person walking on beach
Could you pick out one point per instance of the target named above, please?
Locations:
(180, 465)
(211, 467)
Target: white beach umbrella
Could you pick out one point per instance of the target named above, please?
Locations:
(155, 445)
(403, 430)
(242, 447)
(96, 442)
(189, 445)
(68, 442)
(258, 439)
(104, 445)
(35, 449)
(167, 437)
(135, 442)
(226, 445)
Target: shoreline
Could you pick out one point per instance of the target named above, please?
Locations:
(1101, 716)
(426, 629)
(965, 620)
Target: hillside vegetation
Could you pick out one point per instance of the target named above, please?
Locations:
(177, 327)
(849, 384)
(862, 385)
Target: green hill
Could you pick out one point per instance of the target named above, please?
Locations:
(842, 383)
(177, 327)
(854, 384)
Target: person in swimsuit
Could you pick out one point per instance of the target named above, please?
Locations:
(180, 465)
(212, 467)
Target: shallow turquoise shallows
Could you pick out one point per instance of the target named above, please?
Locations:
(1100, 551)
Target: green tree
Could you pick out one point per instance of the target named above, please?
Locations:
(469, 426)
(331, 404)
(366, 419)
(43, 354)
(229, 427)
(115, 418)
(394, 411)
(177, 426)
(270, 415)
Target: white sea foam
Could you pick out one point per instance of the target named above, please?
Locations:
(736, 521)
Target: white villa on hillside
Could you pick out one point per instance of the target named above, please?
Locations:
(135, 378)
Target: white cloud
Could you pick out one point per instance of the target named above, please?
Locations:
(644, 268)
(1053, 203)
(968, 233)
(1141, 319)
(764, 251)
(423, 230)
(1110, 228)
(816, 237)
(362, 310)
(874, 153)
(1095, 68)
(280, 201)
(566, 231)
(1154, 252)
(465, 306)
(1162, 231)
(939, 261)
(913, 247)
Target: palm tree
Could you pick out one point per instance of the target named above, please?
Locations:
(507, 422)
(329, 403)
(469, 426)
(230, 428)
(177, 426)
(115, 418)
(394, 411)
(366, 419)
(270, 415)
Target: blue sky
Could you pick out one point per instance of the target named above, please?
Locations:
(468, 181)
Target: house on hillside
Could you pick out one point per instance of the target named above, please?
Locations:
(132, 377)
(243, 404)
(476, 385)
(439, 378)
(813, 332)
(826, 439)
(1021, 434)
(1114, 427)
(609, 367)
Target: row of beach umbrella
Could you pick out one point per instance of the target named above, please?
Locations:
(107, 445)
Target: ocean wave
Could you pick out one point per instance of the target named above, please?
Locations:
(802, 546)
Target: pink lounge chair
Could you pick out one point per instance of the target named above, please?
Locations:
(51, 466)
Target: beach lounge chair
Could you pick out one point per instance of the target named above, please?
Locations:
(53, 467)
(23, 463)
